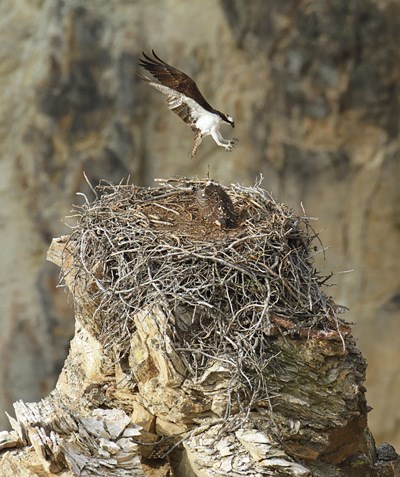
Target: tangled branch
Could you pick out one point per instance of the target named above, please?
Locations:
(221, 289)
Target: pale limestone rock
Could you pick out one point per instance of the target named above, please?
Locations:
(313, 93)
(9, 439)
(142, 416)
(315, 423)
(26, 464)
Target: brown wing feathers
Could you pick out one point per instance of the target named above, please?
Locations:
(173, 78)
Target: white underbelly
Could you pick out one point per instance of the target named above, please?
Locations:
(207, 123)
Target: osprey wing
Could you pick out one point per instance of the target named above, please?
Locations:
(174, 79)
(186, 108)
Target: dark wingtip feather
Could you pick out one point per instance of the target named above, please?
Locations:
(157, 57)
(148, 58)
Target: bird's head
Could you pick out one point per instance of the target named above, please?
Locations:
(228, 119)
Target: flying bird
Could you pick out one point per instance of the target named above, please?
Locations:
(185, 100)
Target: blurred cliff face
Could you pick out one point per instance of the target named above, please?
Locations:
(313, 87)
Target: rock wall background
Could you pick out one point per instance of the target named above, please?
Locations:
(314, 89)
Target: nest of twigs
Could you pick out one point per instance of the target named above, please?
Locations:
(223, 289)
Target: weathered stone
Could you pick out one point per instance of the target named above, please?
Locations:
(309, 416)
(9, 439)
(313, 89)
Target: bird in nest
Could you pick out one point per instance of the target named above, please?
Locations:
(185, 100)
(216, 206)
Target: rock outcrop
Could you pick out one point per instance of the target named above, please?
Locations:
(200, 349)
(313, 87)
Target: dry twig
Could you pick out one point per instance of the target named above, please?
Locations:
(222, 289)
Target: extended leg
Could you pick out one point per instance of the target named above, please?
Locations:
(196, 143)
(227, 144)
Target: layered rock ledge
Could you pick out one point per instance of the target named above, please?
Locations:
(202, 347)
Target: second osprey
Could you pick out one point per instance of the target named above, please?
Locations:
(185, 99)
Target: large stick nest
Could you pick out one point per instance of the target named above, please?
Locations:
(221, 288)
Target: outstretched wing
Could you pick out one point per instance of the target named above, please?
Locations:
(174, 79)
(186, 108)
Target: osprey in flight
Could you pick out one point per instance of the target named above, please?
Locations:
(185, 99)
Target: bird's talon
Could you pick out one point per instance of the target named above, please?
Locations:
(231, 145)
